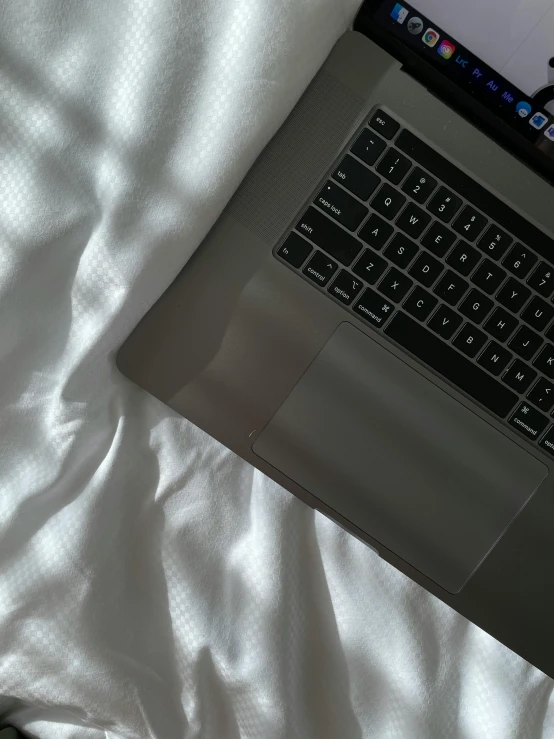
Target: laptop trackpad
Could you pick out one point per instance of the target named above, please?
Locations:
(399, 457)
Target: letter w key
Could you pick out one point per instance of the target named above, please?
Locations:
(413, 221)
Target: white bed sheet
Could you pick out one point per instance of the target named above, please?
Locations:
(151, 583)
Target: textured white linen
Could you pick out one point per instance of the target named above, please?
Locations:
(151, 583)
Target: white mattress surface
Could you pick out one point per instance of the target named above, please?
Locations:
(151, 583)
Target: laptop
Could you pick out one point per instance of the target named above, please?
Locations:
(370, 322)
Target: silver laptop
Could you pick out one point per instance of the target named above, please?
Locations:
(370, 322)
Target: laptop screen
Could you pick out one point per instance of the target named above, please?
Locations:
(500, 52)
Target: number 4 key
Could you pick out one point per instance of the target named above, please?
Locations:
(469, 223)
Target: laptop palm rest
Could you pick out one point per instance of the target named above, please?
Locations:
(400, 458)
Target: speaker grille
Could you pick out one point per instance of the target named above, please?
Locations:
(297, 158)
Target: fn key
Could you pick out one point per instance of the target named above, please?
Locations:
(295, 250)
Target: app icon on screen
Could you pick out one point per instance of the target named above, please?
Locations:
(446, 49)
(415, 25)
(430, 37)
(538, 120)
(523, 109)
(549, 133)
(399, 13)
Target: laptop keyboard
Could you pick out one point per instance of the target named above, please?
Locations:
(417, 249)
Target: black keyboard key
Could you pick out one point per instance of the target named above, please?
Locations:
(528, 421)
(519, 376)
(451, 288)
(538, 314)
(328, 236)
(550, 333)
(526, 343)
(345, 287)
(374, 308)
(401, 250)
(445, 322)
(385, 124)
(545, 361)
(488, 276)
(394, 166)
(513, 295)
(501, 325)
(494, 358)
(413, 221)
(320, 269)
(469, 223)
(420, 303)
(494, 242)
(426, 269)
(547, 441)
(438, 239)
(295, 250)
(370, 266)
(368, 147)
(476, 306)
(388, 201)
(395, 285)
(519, 261)
(470, 340)
(542, 395)
(355, 177)
(341, 206)
(542, 280)
(444, 204)
(449, 363)
(419, 185)
(376, 231)
(463, 258)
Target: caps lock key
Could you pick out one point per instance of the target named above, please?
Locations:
(341, 206)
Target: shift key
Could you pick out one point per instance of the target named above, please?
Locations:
(328, 236)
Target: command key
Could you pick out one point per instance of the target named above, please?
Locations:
(528, 421)
(374, 308)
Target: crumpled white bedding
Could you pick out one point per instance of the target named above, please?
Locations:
(151, 583)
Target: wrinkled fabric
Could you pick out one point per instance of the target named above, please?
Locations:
(151, 583)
